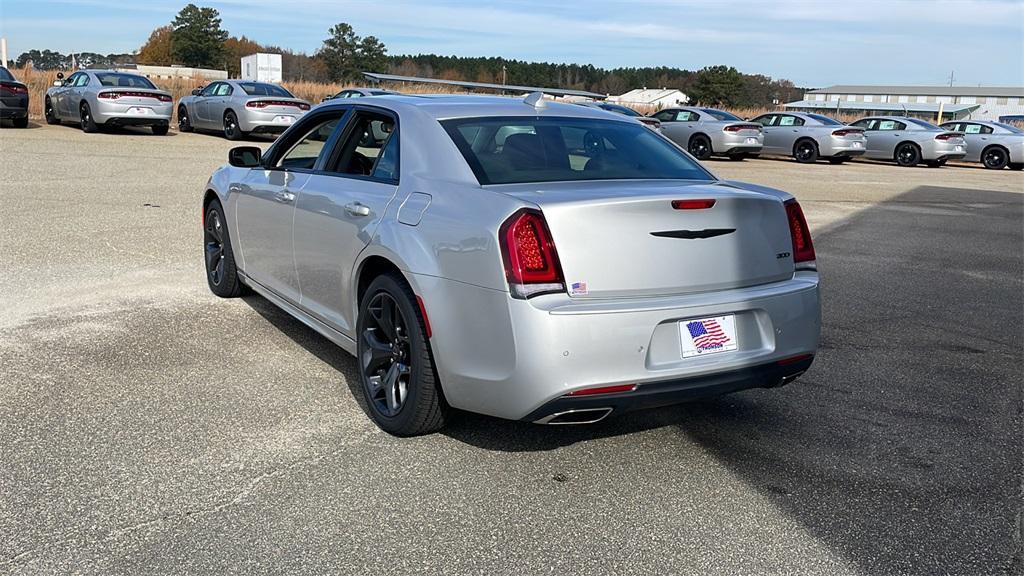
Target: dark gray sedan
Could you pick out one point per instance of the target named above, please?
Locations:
(13, 99)
(239, 108)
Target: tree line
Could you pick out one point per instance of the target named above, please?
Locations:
(196, 38)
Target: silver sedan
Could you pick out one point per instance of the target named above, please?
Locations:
(515, 257)
(909, 141)
(97, 98)
(994, 144)
(706, 132)
(239, 108)
(359, 93)
(808, 137)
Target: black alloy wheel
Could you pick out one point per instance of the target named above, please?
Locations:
(994, 158)
(88, 123)
(700, 147)
(386, 360)
(907, 154)
(806, 152)
(50, 113)
(184, 122)
(221, 273)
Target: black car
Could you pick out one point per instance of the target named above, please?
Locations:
(13, 99)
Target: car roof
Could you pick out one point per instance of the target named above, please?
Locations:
(444, 106)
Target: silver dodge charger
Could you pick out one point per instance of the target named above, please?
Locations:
(240, 107)
(706, 132)
(519, 258)
(807, 137)
(994, 144)
(908, 141)
(98, 98)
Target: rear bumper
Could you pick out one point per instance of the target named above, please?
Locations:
(839, 148)
(512, 358)
(267, 122)
(117, 114)
(942, 151)
(736, 142)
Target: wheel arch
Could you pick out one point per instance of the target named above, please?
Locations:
(996, 145)
(694, 135)
(810, 139)
(896, 149)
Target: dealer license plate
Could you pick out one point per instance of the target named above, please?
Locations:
(704, 336)
(284, 119)
(139, 111)
(751, 140)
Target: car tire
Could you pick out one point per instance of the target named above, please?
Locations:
(805, 151)
(221, 271)
(700, 147)
(231, 129)
(837, 161)
(753, 156)
(160, 129)
(87, 122)
(1017, 166)
(936, 163)
(908, 154)
(995, 158)
(21, 122)
(49, 113)
(396, 368)
(184, 121)
(739, 157)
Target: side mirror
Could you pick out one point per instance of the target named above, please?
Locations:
(60, 75)
(245, 156)
(197, 91)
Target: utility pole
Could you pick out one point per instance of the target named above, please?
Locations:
(504, 74)
(3, 52)
(951, 78)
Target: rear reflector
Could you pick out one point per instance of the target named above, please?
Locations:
(603, 390)
(528, 251)
(948, 136)
(693, 204)
(739, 127)
(803, 248)
(846, 132)
(426, 321)
(794, 359)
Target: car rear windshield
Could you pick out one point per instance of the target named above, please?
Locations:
(1009, 127)
(522, 149)
(5, 75)
(620, 109)
(261, 89)
(721, 114)
(118, 80)
(923, 124)
(825, 120)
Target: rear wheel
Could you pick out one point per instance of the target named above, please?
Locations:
(231, 128)
(184, 122)
(700, 147)
(995, 158)
(1017, 166)
(399, 380)
(739, 157)
(21, 122)
(160, 129)
(88, 123)
(50, 113)
(936, 163)
(221, 272)
(837, 160)
(806, 152)
(908, 154)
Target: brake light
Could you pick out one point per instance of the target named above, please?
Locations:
(116, 95)
(739, 127)
(14, 89)
(947, 136)
(530, 258)
(803, 248)
(846, 132)
(266, 103)
(794, 359)
(603, 390)
(693, 204)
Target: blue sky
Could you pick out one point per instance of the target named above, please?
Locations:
(812, 42)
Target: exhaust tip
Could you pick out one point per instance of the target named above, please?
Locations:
(581, 416)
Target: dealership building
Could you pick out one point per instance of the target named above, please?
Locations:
(978, 103)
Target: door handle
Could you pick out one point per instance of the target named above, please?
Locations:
(285, 197)
(357, 209)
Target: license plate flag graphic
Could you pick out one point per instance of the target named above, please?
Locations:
(708, 335)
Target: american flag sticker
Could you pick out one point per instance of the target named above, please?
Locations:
(708, 335)
(577, 288)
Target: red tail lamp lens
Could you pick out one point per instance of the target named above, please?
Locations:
(603, 390)
(701, 204)
(529, 254)
(803, 248)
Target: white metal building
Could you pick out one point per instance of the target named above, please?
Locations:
(660, 98)
(167, 72)
(261, 67)
(979, 103)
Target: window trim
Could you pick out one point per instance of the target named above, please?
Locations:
(343, 134)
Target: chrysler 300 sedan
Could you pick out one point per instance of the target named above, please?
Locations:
(529, 260)
(98, 98)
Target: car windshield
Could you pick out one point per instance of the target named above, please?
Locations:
(721, 114)
(116, 79)
(261, 89)
(825, 120)
(620, 109)
(522, 149)
(1009, 127)
(5, 75)
(923, 124)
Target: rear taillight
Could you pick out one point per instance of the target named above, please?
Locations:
(948, 136)
(803, 248)
(116, 95)
(693, 204)
(531, 262)
(740, 127)
(617, 389)
(846, 132)
(265, 103)
(13, 89)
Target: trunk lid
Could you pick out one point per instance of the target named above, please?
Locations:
(625, 238)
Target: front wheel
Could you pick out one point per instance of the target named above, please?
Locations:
(231, 129)
(994, 158)
(88, 123)
(160, 129)
(184, 122)
(221, 272)
(907, 154)
(21, 122)
(700, 147)
(49, 113)
(806, 152)
(399, 380)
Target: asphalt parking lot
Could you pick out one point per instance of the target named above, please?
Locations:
(147, 427)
